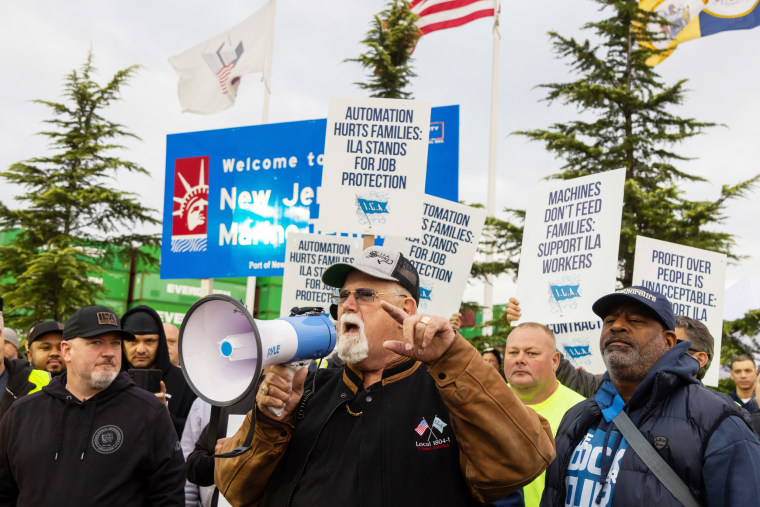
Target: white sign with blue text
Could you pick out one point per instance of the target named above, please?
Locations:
(373, 178)
(569, 259)
(306, 258)
(442, 251)
(692, 279)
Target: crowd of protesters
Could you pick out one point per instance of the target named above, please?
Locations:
(407, 413)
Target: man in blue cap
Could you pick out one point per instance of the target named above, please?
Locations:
(703, 438)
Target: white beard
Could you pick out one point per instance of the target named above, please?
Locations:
(352, 348)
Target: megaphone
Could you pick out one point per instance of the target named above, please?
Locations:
(222, 348)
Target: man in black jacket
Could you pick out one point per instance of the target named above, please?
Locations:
(17, 378)
(150, 351)
(92, 437)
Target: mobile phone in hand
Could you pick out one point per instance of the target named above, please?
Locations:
(150, 380)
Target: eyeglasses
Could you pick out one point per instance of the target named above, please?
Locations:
(362, 296)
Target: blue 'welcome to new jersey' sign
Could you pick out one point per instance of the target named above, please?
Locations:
(232, 195)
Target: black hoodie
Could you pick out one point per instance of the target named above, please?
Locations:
(115, 448)
(180, 396)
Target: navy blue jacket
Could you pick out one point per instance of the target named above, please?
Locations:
(750, 406)
(706, 439)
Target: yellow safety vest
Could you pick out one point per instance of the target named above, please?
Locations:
(39, 378)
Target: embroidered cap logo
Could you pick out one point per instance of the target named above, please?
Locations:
(107, 318)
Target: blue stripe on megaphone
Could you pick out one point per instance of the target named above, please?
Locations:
(316, 336)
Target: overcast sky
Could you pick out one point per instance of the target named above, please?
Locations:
(44, 40)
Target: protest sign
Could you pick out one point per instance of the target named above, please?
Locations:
(373, 178)
(442, 252)
(579, 342)
(231, 194)
(306, 258)
(570, 247)
(569, 259)
(692, 279)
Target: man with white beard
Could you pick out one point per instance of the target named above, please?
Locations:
(91, 436)
(416, 417)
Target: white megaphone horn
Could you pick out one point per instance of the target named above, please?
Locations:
(222, 348)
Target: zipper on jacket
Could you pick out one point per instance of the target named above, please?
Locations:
(313, 445)
(652, 397)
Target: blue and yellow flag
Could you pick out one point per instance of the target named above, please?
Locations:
(692, 19)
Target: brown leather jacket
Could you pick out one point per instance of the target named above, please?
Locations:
(503, 444)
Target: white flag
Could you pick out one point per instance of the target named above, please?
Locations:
(209, 73)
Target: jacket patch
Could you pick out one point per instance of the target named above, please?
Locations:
(107, 439)
(660, 442)
(435, 435)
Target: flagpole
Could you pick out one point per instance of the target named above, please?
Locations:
(268, 72)
(250, 285)
(492, 145)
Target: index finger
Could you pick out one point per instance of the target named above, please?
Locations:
(394, 311)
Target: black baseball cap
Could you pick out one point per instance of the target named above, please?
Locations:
(654, 301)
(93, 321)
(379, 262)
(48, 326)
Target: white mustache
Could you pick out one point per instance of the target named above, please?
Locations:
(351, 318)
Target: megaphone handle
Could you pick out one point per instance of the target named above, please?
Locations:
(293, 367)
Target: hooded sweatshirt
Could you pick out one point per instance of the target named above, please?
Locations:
(145, 320)
(115, 448)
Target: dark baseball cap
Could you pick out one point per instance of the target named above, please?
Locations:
(379, 262)
(48, 326)
(93, 321)
(654, 301)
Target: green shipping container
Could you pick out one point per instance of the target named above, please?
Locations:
(268, 296)
(143, 266)
(150, 287)
(471, 332)
(118, 306)
(266, 281)
(7, 236)
(269, 299)
(115, 284)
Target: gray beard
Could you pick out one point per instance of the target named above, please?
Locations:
(101, 379)
(631, 364)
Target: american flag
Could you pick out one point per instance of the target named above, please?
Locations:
(422, 427)
(224, 74)
(440, 14)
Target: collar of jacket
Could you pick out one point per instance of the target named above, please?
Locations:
(396, 370)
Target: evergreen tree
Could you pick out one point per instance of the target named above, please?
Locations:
(390, 41)
(73, 219)
(627, 120)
